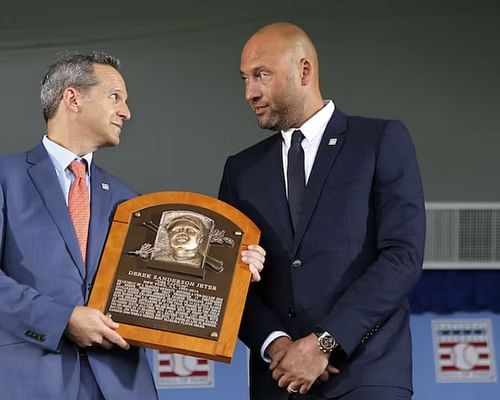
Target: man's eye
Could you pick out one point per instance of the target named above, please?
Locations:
(263, 75)
(114, 96)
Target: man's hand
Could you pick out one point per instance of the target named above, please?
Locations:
(254, 256)
(330, 370)
(299, 364)
(276, 350)
(90, 327)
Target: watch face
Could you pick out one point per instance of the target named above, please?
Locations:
(327, 342)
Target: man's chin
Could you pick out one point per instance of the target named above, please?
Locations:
(266, 124)
(113, 141)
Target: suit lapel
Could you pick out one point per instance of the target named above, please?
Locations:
(44, 177)
(101, 203)
(275, 188)
(330, 146)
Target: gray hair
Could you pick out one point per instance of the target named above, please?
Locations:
(70, 69)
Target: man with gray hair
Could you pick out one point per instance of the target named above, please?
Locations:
(55, 210)
(56, 206)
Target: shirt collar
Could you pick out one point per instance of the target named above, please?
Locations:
(62, 157)
(314, 127)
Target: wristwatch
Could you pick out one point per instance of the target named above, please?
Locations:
(326, 341)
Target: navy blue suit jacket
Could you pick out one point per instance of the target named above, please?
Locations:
(358, 250)
(42, 278)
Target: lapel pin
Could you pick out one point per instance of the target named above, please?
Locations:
(332, 142)
(104, 186)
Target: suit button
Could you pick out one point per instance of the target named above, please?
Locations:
(291, 313)
(296, 263)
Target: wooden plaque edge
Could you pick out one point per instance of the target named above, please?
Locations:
(221, 349)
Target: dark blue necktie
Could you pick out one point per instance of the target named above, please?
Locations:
(296, 177)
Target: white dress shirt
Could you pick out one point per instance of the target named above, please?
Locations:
(312, 130)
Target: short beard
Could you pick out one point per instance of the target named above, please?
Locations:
(279, 120)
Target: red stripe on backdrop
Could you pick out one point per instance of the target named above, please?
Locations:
(172, 374)
(453, 344)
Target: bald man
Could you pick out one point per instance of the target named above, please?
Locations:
(340, 205)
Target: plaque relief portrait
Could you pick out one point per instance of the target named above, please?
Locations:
(182, 242)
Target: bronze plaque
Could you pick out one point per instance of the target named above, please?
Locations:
(171, 273)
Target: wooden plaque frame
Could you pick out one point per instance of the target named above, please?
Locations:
(219, 349)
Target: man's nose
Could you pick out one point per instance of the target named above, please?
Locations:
(124, 112)
(252, 91)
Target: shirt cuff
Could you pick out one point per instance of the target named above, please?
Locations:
(272, 336)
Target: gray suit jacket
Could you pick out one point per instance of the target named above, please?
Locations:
(42, 278)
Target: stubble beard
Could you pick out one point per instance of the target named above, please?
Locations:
(278, 120)
(285, 114)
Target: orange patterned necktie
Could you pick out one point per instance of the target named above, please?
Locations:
(79, 205)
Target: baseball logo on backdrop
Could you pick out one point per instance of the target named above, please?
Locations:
(179, 371)
(463, 350)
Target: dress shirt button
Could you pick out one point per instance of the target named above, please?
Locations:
(296, 263)
(291, 313)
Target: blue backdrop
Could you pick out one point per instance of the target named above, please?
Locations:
(440, 295)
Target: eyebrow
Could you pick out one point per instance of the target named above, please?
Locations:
(254, 69)
(116, 89)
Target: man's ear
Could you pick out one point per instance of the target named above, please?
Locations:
(306, 71)
(71, 98)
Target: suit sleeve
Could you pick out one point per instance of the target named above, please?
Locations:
(258, 321)
(25, 314)
(398, 206)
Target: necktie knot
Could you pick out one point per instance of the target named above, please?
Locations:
(297, 137)
(78, 168)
